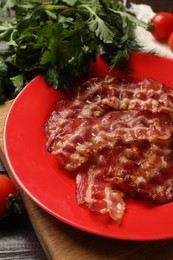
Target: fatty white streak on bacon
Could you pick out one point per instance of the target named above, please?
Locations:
(133, 123)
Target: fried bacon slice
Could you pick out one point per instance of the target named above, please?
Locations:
(96, 96)
(74, 148)
(96, 193)
(142, 170)
(100, 196)
(117, 137)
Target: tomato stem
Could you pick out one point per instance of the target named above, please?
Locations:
(150, 27)
(13, 204)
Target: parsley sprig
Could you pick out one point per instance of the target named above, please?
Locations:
(59, 38)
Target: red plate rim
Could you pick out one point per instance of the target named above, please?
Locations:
(40, 177)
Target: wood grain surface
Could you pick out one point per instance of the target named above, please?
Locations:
(63, 242)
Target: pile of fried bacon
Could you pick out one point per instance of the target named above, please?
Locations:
(116, 136)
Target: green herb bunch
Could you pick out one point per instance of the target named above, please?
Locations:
(59, 38)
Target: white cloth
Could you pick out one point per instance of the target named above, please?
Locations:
(145, 38)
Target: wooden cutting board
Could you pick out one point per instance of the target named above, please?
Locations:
(60, 241)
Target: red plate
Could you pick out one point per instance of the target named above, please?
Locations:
(53, 189)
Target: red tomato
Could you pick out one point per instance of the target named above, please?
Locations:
(170, 41)
(7, 187)
(162, 26)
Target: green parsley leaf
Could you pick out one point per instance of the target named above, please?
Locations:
(59, 38)
(18, 82)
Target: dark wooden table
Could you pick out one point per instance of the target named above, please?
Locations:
(17, 237)
(157, 5)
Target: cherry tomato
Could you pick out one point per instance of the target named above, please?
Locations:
(170, 41)
(7, 187)
(162, 26)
